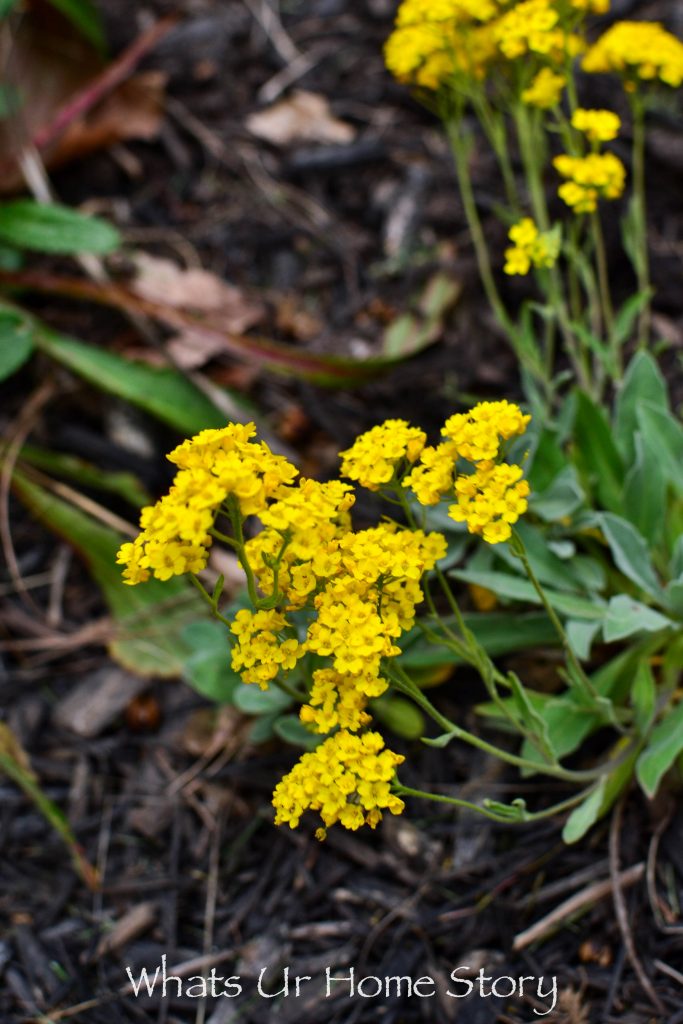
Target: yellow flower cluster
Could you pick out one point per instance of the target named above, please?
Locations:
(261, 653)
(594, 6)
(545, 90)
(528, 27)
(589, 178)
(531, 248)
(336, 700)
(215, 466)
(597, 125)
(359, 589)
(637, 50)
(435, 39)
(490, 499)
(347, 779)
(439, 41)
(375, 455)
(477, 434)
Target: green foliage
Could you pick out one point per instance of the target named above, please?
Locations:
(55, 229)
(16, 342)
(149, 621)
(606, 551)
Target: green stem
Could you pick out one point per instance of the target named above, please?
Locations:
(236, 520)
(403, 683)
(209, 600)
(460, 155)
(604, 289)
(518, 549)
(640, 207)
(524, 815)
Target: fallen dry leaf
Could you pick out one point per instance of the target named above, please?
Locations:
(301, 117)
(200, 291)
(49, 65)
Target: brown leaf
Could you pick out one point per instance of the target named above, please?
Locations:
(50, 65)
(199, 291)
(301, 117)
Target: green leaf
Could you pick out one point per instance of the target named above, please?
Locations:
(497, 632)
(560, 498)
(601, 799)
(504, 585)
(643, 381)
(666, 743)
(411, 332)
(292, 730)
(581, 635)
(567, 726)
(645, 490)
(547, 460)
(549, 568)
(586, 814)
(252, 700)
(625, 320)
(6, 6)
(84, 16)
(677, 559)
(628, 617)
(52, 228)
(263, 728)
(399, 715)
(149, 617)
(207, 669)
(70, 467)
(664, 435)
(16, 343)
(14, 763)
(673, 597)
(596, 454)
(630, 553)
(163, 392)
(644, 697)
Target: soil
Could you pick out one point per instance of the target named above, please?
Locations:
(167, 799)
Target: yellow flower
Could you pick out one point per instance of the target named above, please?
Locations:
(214, 466)
(434, 40)
(531, 248)
(638, 50)
(545, 90)
(375, 455)
(259, 654)
(432, 477)
(339, 700)
(490, 499)
(477, 434)
(597, 125)
(347, 779)
(595, 6)
(528, 27)
(590, 178)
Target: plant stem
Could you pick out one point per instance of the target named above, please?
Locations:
(236, 520)
(209, 600)
(640, 208)
(517, 548)
(403, 683)
(524, 815)
(460, 155)
(605, 295)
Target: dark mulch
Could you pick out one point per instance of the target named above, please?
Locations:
(190, 862)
